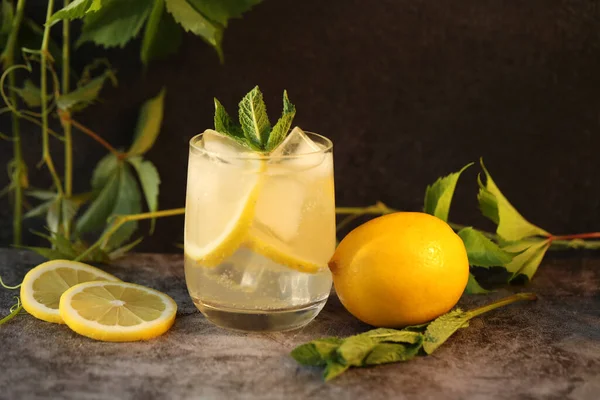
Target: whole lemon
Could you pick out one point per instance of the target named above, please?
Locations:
(400, 269)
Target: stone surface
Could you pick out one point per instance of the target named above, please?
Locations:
(544, 350)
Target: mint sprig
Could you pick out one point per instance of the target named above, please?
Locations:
(254, 129)
(383, 345)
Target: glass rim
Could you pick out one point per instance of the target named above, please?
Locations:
(194, 145)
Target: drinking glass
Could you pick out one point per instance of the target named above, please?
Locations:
(259, 231)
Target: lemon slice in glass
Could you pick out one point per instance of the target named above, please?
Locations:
(117, 311)
(223, 183)
(43, 285)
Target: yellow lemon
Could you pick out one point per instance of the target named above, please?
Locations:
(400, 269)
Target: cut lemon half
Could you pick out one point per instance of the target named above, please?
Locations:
(260, 242)
(117, 311)
(43, 285)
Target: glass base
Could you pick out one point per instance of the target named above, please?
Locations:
(260, 320)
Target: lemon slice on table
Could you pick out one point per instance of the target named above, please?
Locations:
(43, 285)
(117, 311)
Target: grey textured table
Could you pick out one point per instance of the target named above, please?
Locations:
(544, 350)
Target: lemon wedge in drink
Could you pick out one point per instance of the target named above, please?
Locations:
(43, 285)
(223, 184)
(117, 311)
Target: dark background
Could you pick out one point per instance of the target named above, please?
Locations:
(408, 91)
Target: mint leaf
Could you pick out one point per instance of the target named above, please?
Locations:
(85, 94)
(283, 125)
(148, 125)
(192, 21)
(225, 125)
(438, 196)
(527, 262)
(254, 119)
(150, 180)
(384, 353)
(116, 23)
(394, 335)
(30, 94)
(162, 35)
(333, 369)
(316, 352)
(221, 11)
(76, 9)
(511, 225)
(481, 251)
(355, 349)
(442, 328)
(473, 287)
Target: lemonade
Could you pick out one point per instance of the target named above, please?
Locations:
(259, 230)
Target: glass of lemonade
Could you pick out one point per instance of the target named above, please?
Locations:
(259, 231)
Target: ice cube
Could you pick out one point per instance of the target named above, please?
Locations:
(221, 145)
(298, 151)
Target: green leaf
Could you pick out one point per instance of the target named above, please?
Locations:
(148, 125)
(83, 95)
(283, 125)
(442, 328)
(30, 94)
(511, 225)
(384, 353)
(225, 125)
(527, 262)
(473, 287)
(254, 119)
(128, 201)
(53, 216)
(316, 352)
(39, 210)
(333, 369)
(394, 335)
(481, 251)
(355, 349)
(116, 23)
(221, 11)
(150, 181)
(41, 194)
(6, 20)
(121, 251)
(101, 208)
(438, 196)
(68, 212)
(50, 254)
(192, 21)
(76, 9)
(104, 170)
(162, 35)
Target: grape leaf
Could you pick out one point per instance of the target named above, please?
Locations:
(442, 328)
(53, 215)
(148, 125)
(473, 287)
(527, 262)
(39, 210)
(384, 353)
(76, 9)
(83, 95)
(162, 35)
(103, 171)
(511, 225)
(481, 251)
(101, 207)
(254, 119)
(283, 125)
(6, 19)
(121, 251)
(150, 180)
(221, 11)
(128, 201)
(41, 194)
(316, 352)
(225, 125)
(438, 196)
(30, 94)
(116, 23)
(193, 21)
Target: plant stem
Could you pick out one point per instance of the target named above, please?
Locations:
(122, 219)
(14, 311)
(94, 136)
(503, 302)
(9, 61)
(590, 235)
(44, 94)
(67, 123)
